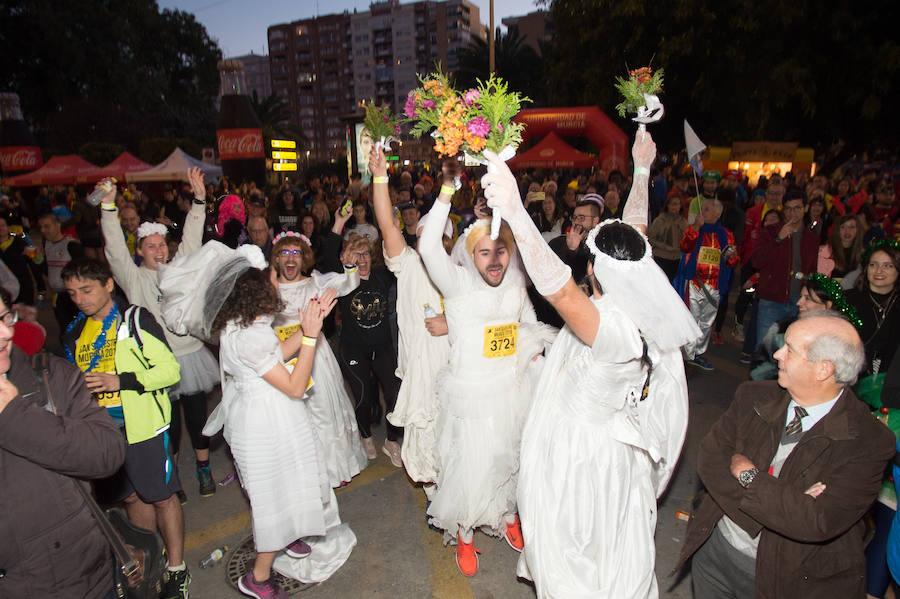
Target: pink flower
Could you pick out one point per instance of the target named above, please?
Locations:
(478, 126)
(396, 129)
(410, 108)
(499, 127)
(428, 105)
(472, 96)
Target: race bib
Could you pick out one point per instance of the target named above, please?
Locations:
(709, 256)
(285, 332)
(108, 399)
(500, 340)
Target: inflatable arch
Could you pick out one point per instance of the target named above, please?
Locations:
(589, 121)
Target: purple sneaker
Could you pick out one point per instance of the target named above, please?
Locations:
(267, 589)
(298, 549)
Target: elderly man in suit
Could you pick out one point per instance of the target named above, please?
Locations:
(789, 471)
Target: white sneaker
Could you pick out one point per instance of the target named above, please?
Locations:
(369, 446)
(392, 450)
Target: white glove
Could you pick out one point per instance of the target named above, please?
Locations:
(547, 271)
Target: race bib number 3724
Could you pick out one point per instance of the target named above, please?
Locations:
(500, 340)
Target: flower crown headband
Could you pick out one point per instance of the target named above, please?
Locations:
(147, 229)
(287, 234)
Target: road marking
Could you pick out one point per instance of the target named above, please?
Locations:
(217, 531)
(446, 581)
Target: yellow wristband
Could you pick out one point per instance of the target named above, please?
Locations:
(448, 189)
(379, 179)
(109, 207)
(310, 341)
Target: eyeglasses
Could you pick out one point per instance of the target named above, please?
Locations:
(579, 218)
(294, 252)
(9, 318)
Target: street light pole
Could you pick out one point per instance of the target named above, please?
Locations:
(491, 37)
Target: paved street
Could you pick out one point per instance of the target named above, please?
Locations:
(398, 556)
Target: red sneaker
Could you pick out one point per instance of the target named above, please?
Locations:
(466, 557)
(513, 535)
(717, 338)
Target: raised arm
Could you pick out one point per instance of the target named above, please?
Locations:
(551, 277)
(637, 207)
(448, 277)
(394, 242)
(121, 263)
(192, 236)
(294, 383)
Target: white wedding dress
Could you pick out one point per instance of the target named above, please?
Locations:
(329, 405)
(483, 400)
(278, 457)
(594, 459)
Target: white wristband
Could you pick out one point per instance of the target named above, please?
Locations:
(641, 170)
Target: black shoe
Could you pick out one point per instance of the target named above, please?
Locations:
(207, 484)
(182, 497)
(176, 586)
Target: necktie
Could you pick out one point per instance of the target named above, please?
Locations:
(794, 430)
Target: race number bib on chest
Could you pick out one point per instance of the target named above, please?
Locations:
(709, 256)
(500, 340)
(285, 332)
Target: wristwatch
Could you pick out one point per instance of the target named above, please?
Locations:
(198, 201)
(747, 476)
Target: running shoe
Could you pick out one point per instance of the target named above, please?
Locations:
(369, 445)
(701, 363)
(176, 586)
(513, 535)
(392, 450)
(466, 557)
(298, 549)
(207, 484)
(267, 589)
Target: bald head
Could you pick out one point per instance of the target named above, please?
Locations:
(822, 354)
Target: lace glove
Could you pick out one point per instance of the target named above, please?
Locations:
(547, 271)
(637, 208)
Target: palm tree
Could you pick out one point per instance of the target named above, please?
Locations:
(515, 61)
(275, 119)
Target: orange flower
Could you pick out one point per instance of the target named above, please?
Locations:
(642, 74)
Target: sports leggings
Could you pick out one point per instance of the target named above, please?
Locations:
(358, 363)
(194, 407)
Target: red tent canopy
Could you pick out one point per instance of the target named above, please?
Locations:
(552, 152)
(118, 168)
(59, 170)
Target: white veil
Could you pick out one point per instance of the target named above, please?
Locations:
(644, 292)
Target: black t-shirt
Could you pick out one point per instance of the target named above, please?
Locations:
(366, 312)
(879, 336)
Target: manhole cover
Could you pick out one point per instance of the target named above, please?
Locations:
(240, 561)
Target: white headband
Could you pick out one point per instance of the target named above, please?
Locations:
(147, 229)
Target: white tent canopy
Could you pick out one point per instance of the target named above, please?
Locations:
(174, 168)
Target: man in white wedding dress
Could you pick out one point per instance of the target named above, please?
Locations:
(610, 409)
(329, 405)
(485, 390)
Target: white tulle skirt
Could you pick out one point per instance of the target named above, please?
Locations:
(478, 433)
(333, 418)
(199, 373)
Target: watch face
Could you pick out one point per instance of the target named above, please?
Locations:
(746, 477)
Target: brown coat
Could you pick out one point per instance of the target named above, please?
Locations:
(50, 545)
(808, 547)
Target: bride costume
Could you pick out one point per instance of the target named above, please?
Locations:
(595, 455)
(420, 356)
(483, 400)
(277, 454)
(329, 405)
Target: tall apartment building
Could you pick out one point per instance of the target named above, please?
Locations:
(324, 67)
(256, 74)
(532, 28)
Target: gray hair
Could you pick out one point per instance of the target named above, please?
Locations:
(847, 355)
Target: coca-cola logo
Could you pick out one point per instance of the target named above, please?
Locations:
(20, 158)
(240, 143)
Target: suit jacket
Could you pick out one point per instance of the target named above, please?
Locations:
(808, 547)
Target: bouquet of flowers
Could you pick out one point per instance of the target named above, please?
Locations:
(478, 119)
(380, 123)
(639, 91)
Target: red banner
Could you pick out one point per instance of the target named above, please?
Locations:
(14, 159)
(236, 144)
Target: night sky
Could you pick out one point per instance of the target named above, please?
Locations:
(240, 25)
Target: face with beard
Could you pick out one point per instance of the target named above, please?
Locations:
(491, 259)
(289, 262)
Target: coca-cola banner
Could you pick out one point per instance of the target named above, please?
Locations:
(15, 159)
(236, 144)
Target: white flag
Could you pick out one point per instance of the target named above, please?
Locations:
(692, 142)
